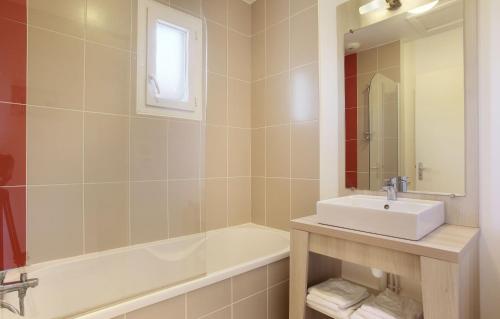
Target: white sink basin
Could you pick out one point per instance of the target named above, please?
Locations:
(403, 218)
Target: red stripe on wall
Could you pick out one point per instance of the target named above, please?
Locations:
(351, 119)
(13, 52)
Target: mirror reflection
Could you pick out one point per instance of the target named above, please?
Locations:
(404, 99)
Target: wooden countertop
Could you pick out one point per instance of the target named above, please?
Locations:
(448, 242)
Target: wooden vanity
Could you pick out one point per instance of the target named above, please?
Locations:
(445, 262)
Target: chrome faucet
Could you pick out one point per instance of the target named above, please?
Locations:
(395, 185)
(21, 286)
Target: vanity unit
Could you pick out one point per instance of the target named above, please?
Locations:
(445, 262)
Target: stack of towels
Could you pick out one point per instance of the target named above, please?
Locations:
(388, 305)
(337, 298)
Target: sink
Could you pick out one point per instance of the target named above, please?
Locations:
(402, 218)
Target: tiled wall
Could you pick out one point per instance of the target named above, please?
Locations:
(285, 141)
(386, 61)
(99, 176)
(258, 294)
(12, 133)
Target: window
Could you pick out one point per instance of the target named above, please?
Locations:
(169, 62)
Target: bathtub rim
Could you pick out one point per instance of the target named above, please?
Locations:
(162, 294)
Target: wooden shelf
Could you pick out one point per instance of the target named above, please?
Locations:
(448, 242)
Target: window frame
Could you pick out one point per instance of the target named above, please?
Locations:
(150, 13)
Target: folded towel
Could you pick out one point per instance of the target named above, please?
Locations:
(340, 292)
(320, 305)
(328, 304)
(388, 305)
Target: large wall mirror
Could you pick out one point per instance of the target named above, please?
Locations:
(404, 96)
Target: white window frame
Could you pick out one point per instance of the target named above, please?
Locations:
(149, 13)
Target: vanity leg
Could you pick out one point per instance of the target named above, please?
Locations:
(440, 289)
(299, 256)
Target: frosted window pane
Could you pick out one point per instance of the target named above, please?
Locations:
(171, 62)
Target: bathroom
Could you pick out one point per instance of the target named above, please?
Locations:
(205, 158)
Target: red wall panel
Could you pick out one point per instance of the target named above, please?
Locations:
(351, 119)
(13, 49)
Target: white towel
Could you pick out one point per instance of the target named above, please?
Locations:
(388, 305)
(330, 309)
(340, 292)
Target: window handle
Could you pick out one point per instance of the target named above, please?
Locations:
(152, 78)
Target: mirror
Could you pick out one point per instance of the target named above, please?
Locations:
(404, 99)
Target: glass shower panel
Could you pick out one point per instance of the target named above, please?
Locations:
(383, 130)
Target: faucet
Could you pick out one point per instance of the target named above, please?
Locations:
(21, 286)
(394, 185)
(390, 188)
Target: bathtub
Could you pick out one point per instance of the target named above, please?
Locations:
(114, 282)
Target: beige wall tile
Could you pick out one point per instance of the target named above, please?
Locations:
(299, 5)
(216, 151)
(183, 149)
(278, 151)
(305, 150)
(106, 148)
(55, 64)
(239, 152)
(239, 56)
(239, 16)
(221, 314)
(258, 56)
(215, 10)
(258, 16)
(251, 308)
(217, 48)
(363, 156)
(216, 99)
(54, 146)
(148, 149)
(259, 200)
(393, 73)
(191, 6)
(249, 283)
(277, 99)
(240, 103)
(183, 207)
(106, 216)
(171, 308)
(278, 271)
(305, 194)
(278, 302)
(304, 93)
(367, 61)
(65, 16)
(304, 37)
(278, 202)
(258, 104)
(208, 299)
(389, 55)
(55, 222)
(108, 22)
(276, 11)
(107, 79)
(215, 203)
(240, 201)
(259, 152)
(148, 211)
(277, 42)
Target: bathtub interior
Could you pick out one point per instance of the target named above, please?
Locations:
(72, 286)
(83, 284)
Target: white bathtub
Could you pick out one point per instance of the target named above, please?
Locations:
(111, 283)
